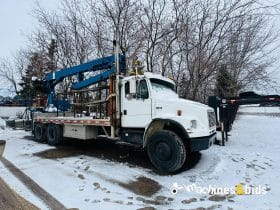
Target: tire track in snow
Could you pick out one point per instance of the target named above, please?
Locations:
(47, 198)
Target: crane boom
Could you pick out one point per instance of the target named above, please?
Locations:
(105, 63)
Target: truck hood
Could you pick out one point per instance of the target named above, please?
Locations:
(173, 103)
(169, 106)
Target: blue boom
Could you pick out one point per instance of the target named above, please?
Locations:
(107, 64)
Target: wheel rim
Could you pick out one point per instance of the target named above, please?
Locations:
(163, 151)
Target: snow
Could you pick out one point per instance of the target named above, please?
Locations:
(35, 78)
(20, 188)
(259, 109)
(251, 157)
(51, 108)
(2, 124)
(8, 111)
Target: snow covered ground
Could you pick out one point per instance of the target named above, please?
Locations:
(96, 176)
(7, 111)
(259, 109)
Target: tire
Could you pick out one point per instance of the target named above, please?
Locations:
(166, 151)
(54, 134)
(40, 133)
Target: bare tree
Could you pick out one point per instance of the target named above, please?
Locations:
(206, 44)
(8, 74)
(120, 22)
(12, 70)
(249, 46)
(68, 29)
(156, 26)
(188, 40)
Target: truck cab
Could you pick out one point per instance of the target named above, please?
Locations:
(151, 109)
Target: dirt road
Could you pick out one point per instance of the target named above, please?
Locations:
(10, 200)
(33, 186)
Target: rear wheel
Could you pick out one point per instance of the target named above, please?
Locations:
(40, 133)
(166, 151)
(54, 134)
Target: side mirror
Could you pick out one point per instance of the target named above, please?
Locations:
(132, 86)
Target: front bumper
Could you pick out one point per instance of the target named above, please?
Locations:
(202, 143)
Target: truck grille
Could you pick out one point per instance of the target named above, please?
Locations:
(211, 119)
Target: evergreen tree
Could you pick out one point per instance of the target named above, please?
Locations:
(40, 63)
(226, 86)
(31, 84)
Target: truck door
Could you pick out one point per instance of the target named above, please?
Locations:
(136, 109)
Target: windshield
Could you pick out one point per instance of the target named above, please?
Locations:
(162, 86)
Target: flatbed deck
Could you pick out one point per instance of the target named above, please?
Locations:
(74, 120)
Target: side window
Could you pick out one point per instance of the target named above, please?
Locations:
(126, 88)
(142, 89)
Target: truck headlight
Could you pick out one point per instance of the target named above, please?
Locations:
(193, 124)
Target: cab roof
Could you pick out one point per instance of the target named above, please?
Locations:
(150, 75)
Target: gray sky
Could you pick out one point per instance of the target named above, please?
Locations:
(16, 21)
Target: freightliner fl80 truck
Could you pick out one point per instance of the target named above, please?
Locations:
(142, 110)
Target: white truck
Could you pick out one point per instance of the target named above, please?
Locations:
(141, 110)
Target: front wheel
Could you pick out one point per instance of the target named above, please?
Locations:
(166, 151)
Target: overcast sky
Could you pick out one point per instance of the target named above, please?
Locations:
(16, 21)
